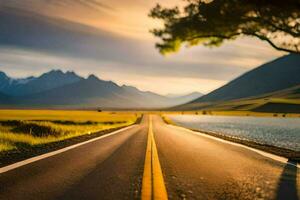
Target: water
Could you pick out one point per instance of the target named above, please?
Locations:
(280, 132)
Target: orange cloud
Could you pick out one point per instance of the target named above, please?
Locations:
(126, 17)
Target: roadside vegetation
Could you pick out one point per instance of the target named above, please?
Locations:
(19, 128)
(256, 106)
(232, 113)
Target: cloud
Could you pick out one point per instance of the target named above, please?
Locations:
(91, 4)
(33, 42)
(20, 63)
(33, 4)
(95, 4)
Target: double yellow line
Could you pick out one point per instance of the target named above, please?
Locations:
(153, 187)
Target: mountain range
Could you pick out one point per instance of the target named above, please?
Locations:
(57, 89)
(278, 79)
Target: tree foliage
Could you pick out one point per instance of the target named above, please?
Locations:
(210, 23)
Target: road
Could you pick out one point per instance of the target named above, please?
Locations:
(185, 165)
(197, 167)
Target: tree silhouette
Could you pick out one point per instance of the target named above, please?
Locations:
(210, 23)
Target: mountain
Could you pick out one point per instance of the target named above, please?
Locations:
(56, 89)
(276, 75)
(32, 85)
(4, 98)
(283, 101)
(292, 93)
(185, 97)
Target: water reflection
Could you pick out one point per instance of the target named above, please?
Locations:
(281, 132)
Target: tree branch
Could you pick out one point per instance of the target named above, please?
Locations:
(253, 34)
(273, 44)
(213, 35)
(286, 29)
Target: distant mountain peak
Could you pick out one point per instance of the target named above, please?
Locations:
(59, 74)
(3, 75)
(55, 71)
(31, 85)
(23, 80)
(174, 95)
(93, 77)
(129, 87)
(71, 73)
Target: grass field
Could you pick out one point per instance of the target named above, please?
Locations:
(275, 107)
(35, 127)
(232, 113)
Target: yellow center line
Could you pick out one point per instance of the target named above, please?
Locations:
(153, 187)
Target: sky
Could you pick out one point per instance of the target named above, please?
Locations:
(111, 39)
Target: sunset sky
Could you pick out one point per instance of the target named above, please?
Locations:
(110, 38)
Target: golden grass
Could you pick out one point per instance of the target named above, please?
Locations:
(234, 113)
(6, 146)
(241, 107)
(65, 115)
(167, 120)
(48, 120)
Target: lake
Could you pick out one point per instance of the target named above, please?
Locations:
(280, 132)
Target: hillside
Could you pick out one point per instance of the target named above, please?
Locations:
(277, 75)
(283, 101)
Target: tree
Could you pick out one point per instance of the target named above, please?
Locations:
(210, 23)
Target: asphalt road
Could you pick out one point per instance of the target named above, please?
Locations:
(110, 168)
(197, 167)
(193, 167)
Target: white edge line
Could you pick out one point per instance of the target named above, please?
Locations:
(47, 155)
(263, 153)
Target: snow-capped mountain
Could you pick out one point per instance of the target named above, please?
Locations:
(31, 85)
(56, 89)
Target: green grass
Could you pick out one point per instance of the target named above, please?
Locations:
(35, 127)
(244, 107)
